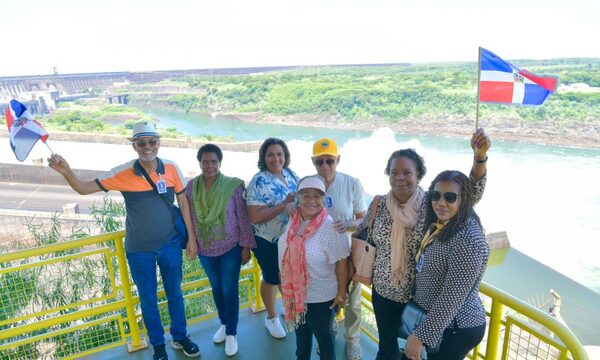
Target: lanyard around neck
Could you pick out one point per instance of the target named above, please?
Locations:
(430, 235)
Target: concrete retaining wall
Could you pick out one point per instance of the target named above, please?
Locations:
(189, 143)
(39, 174)
(14, 224)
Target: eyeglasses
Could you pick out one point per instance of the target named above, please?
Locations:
(142, 143)
(320, 162)
(449, 197)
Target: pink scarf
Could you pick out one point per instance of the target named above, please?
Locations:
(294, 272)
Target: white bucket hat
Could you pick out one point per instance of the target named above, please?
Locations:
(143, 129)
(312, 182)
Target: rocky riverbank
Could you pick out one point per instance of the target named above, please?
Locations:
(547, 133)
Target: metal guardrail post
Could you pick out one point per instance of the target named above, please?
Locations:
(137, 343)
(493, 339)
(258, 305)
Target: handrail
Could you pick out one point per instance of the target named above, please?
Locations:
(561, 331)
(59, 246)
(13, 330)
(33, 325)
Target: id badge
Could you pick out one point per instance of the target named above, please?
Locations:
(328, 202)
(161, 186)
(419, 266)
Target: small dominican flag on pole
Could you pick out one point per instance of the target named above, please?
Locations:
(23, 130)
(500, 82)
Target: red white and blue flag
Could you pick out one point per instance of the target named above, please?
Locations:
(23, 130)
(500, 82)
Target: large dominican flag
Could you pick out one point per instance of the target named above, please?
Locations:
(501, 82)
(24, 131)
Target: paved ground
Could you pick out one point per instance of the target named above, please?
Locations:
(51, 198)
(254, 343)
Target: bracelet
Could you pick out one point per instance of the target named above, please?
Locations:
(341, 299)
(482, 161)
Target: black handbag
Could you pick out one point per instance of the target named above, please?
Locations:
(175, 212)
(412, 315)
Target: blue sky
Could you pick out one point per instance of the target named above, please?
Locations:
(131, 35)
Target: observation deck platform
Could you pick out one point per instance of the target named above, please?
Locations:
(254, 342)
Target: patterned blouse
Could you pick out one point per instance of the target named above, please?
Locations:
(448, 284)
(265, 189)
(382, 230)
(237, 225)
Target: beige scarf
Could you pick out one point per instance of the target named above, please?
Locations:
(404, 217)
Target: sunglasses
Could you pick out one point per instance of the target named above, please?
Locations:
(142, 143)
(449, 197)
(320, 162)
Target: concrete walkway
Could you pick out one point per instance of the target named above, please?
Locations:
(254, 341)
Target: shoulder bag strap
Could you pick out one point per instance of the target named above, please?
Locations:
(165, 201)
(374, 204)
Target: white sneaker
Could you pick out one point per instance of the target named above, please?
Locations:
(231, 347)
(219, 335)
(275, 328)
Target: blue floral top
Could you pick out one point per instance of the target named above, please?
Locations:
(265, 189)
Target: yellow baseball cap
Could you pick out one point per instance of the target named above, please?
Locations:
(325, 146)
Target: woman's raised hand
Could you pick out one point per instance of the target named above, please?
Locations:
(480, 143)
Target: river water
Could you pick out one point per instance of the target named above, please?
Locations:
(546, 198)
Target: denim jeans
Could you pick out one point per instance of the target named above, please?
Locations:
(224, 273)
(319, 322)
(143, 271)
(387, 316)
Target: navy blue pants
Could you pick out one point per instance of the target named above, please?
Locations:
(457, 343)
(319, 322)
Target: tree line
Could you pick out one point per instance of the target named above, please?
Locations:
(391, 93)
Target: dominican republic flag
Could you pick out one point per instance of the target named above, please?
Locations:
(501, 82)
(24, 131)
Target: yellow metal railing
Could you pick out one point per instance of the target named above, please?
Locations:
(75, 298)
(41, 316)
(516, 330)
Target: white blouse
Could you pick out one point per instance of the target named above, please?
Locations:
(323, 250)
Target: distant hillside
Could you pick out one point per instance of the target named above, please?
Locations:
(436, 98)
(422, 98)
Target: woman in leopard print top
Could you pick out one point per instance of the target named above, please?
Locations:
(391, 289)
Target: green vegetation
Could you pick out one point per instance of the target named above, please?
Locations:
(90, 116)
(93, 116)
(394, 95)
(389, 93)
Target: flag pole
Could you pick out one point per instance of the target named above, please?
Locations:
(478, 88)
(49, 148)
